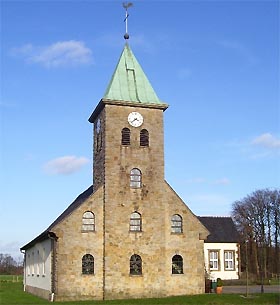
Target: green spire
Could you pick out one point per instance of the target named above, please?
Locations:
(129, 82)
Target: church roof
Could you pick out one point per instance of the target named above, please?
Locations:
(222, 229)
(129, 82)
(72, 207)
(129, 86)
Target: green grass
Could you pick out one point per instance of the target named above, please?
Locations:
(12, 293)
(11, 278)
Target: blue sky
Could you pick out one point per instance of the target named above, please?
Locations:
(216, 63)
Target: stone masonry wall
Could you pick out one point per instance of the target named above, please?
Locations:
(156, 203)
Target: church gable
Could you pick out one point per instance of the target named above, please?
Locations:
(191, 223)
(72, 207)
(72, 217)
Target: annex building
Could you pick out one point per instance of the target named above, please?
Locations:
(129, 235)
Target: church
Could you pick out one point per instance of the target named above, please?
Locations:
(129, 235)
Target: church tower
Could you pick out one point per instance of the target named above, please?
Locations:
(129, 164)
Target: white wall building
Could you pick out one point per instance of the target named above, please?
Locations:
(221, 248)
(38, 266)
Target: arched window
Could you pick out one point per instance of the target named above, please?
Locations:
(176, 224)
(135, 178)
(88, 264)
(135, 224)
(88, 221)
(135, 265)
(125, 136)
(144, 137)
(177, 264)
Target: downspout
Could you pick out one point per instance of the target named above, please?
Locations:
(24, 269)
(53, 238)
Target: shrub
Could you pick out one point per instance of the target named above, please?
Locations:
(219, 282)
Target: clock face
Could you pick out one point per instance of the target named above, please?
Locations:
(135, 119)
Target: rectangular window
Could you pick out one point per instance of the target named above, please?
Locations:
(28, 264)
(229, 260)
(44, 262)
(32, 264)
(214, 260)
(38, 263)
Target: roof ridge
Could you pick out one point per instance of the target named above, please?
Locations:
(77, 202)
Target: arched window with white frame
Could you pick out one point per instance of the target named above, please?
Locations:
(176, 224)
(88, 222)
(135, 224)
(135, 178)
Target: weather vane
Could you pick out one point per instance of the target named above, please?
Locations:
(126, 5)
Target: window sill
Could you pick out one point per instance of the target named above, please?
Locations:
(177, 233)
(87, 274)
(88, 231)
(136, 275)
(177, 274)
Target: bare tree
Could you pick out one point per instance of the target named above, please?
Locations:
(257, 219)
(8, 265)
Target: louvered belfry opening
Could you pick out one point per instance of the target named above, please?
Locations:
(125, 136)
(144, 137)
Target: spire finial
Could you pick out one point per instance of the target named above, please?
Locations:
(126, 5)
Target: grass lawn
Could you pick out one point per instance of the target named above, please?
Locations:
(12, 293)
(12, 278)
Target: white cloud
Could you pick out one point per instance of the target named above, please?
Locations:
(7, 104)
(196, 180)
(267, 140)
(65, 165)
(222, 181)
(239, 49)
(61, 53)
(11, 248)
(184, 73)
(200, 180)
